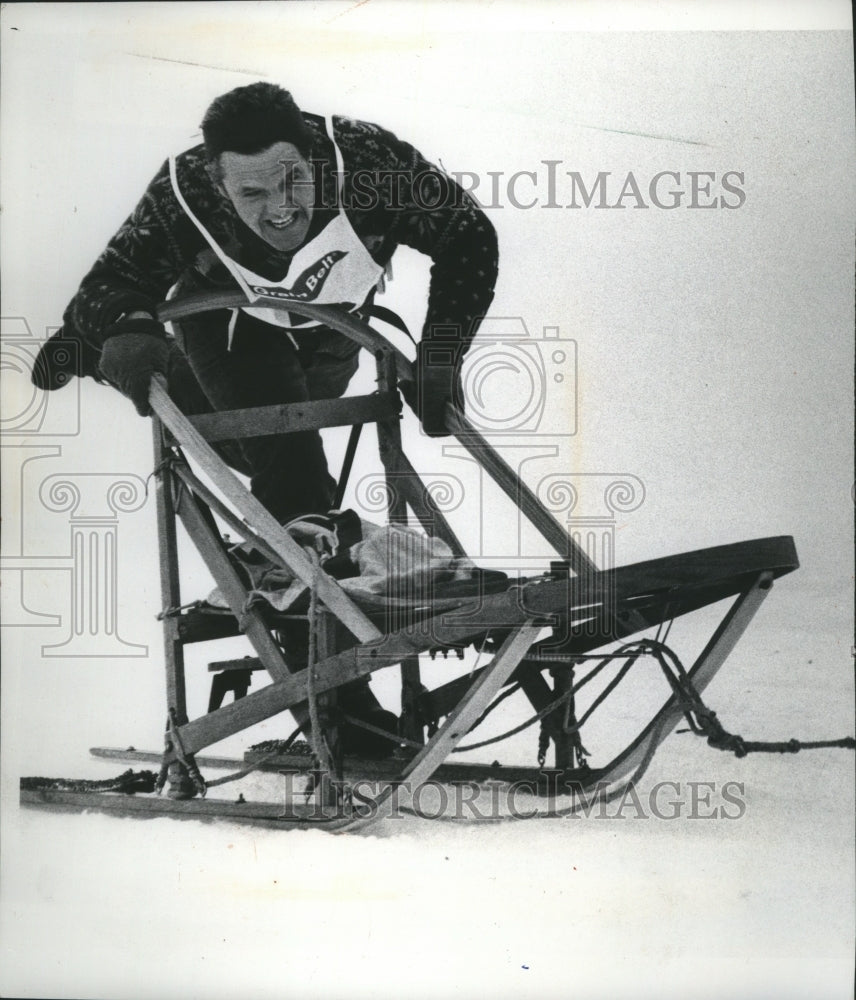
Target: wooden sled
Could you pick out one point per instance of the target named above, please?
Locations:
(548, 636)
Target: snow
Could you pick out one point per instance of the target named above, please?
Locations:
(755, 906)
(715, 366)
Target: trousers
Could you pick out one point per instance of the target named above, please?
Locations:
(264, 366)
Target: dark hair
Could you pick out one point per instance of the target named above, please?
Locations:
(251, 119)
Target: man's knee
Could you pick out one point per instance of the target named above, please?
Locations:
(183, 385)
(332, 364)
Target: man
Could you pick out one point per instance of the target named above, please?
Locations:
(314, 210)
(310, 210)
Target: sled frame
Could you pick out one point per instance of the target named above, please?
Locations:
(194, 435)
(611, 604)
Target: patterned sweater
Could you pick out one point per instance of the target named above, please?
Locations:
(391, 194)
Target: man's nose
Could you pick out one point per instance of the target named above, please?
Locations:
(282, 199)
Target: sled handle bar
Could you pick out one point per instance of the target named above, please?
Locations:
(333, 317)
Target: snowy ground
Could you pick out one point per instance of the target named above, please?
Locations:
(715, 361)
(755, 902)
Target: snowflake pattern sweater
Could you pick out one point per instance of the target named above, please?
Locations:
(392, 196)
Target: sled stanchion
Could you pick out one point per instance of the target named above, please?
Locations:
(391, 456)
(483, 690)
(216, 506)
(232, 588)
(407, 484)
(732, 627)
(169, 581)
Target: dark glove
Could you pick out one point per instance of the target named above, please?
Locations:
(438, 382)
(135, 350)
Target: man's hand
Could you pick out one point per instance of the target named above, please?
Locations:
(136, 348)
(438, 382)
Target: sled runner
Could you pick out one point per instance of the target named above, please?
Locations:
(561, 643)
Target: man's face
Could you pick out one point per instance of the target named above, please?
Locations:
(272, 192)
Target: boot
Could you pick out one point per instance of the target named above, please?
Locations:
(180, 784)
(358, 700)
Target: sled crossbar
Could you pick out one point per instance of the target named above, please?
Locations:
(292, 417)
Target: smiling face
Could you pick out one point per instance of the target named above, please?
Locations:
(272, 191)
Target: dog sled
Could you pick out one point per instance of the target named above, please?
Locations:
(561, 643)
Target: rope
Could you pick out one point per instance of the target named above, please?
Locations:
(158, 471)
(128, 783)
(742, 747)
(282, 747)
(478, 659)
(552, 706)
(385, 733)
(362, 724)
(175, 610)
(665, 626)
(703, 721)
(175, 744)
(235, 776)
(319, 745)
(517, 729)
(494, 704)
(628, 650)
